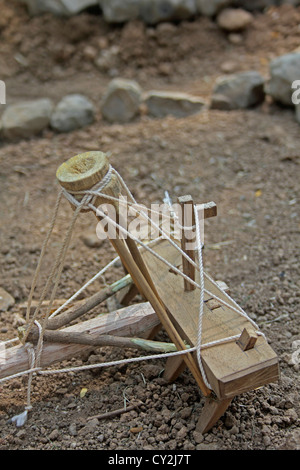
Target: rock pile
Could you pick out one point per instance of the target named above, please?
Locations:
(124, 100)
(27, 119)
(150, 11)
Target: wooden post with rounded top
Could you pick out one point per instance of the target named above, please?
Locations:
(82, 172)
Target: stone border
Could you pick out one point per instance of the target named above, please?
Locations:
(124, 100)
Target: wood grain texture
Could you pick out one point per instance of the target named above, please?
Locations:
(229, 370)
(129, 321)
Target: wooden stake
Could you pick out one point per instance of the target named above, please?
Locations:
(69, 337)
(247, 339)
(85, 305)
(187, 238)
(114, 413)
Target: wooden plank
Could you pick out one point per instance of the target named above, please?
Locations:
(128, 321)
(229, 369)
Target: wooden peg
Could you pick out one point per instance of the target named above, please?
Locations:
(187, 238)
(247, 339)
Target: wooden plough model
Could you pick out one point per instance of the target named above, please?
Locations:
(209, 333)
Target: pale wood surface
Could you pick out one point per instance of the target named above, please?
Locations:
(229, 370)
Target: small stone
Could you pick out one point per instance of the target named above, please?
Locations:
(229, 66)
(26, 119)
(182, 433)
(91, 240)
(156, 11)
(235, 38)
(161, 104)
(72, 112)
(238, 91)
(234, 19)
(185, 396)
(186, 413)
(120, 11)
(234, 429)
(229, 421)
(284, 70)
(107, 59)
(266, 440)
(198, 437)
(72, 429)
(292, 415)
(211, 7)
(121, 101)
(292, 440)
(58, 7)
(90, 53)
(6, 300)
(89, 427)
(151, 371)
(53, 436)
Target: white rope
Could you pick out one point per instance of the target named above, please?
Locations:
(201, 308)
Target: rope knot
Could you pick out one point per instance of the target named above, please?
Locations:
(89, 195)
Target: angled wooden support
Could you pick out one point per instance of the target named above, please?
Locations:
(212, 411)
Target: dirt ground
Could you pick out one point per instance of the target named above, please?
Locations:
(245, 161)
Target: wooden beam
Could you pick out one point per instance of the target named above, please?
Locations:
(136, 319)
(83, 306)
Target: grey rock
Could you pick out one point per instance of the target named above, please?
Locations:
(26, 119)
(155, 11)
(284, 70)
(160, 104)
(119, 11)
(6, 300)
(58, 7)
(150, 11)
(238, 91)
(121, 102)
(72, 112)
(253, 5)
(211, 7)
